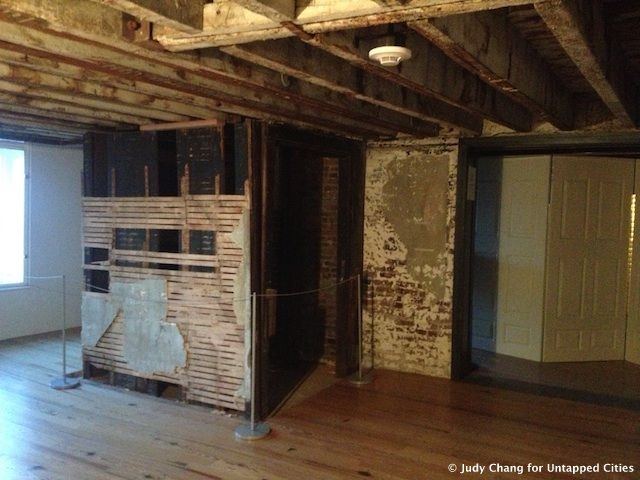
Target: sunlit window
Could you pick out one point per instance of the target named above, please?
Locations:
(12, 215)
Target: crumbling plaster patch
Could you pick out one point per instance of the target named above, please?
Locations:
(98, 313)
(408, 255)
(151, 345)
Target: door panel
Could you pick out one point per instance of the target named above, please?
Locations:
(587, 255)
(523, 223)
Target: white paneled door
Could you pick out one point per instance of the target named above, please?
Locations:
(587, 259)
(523, 231)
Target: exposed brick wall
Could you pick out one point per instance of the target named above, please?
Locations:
(329, 254)
(408, 255)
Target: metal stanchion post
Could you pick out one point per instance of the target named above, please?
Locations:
(64, 383)
(360, 378)
(253, 430)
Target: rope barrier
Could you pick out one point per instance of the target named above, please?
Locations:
(187, 304)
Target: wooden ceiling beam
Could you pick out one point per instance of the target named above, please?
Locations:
(225, 23)
(9, 118)
(431, 73)
(38, 62)
(43, 136)
(276, 10)
(579, 28)
(486, 45)
(74, 97)
(253, 92)
(452, 85)
(19, 109)
(302, 61)
(67, 108)
(183, 15)
(152, 104)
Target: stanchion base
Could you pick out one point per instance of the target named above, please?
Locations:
(64, 383)
(356, 379)
(259, 430)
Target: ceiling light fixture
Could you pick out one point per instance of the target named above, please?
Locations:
(390, 55)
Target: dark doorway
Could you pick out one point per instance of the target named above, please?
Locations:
(296, 324)
(311, 244)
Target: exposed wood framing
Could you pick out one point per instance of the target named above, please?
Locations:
(41, 122)
(435, 76)
(12, 104)
(225, 23)
(462, 93)
(47, 106)
(181, 125)
(578, 26)
(277, 10)
(201, 304)
(302, 61)
(250, 91)
(182, 15)
(485, 45)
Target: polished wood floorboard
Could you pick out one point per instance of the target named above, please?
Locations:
(399, 427)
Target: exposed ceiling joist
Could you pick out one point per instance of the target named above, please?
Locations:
(229, 23)
(89, 89)
(488, 47)
(247, 91)
(90, 102)
(45, 122)
(579, 29)
(182, 15)
(302, 61)
(276, 10)
(435, 76)
(12, 104)
(57, 106)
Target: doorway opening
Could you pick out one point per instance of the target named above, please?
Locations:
(311, 246)
(551, 301)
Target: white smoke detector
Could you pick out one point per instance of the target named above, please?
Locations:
(390, 56)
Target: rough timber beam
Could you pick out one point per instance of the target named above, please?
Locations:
(13, 107)
(225, 23)
(430, 73)
(94, 90)
(89, 34)
(66, 108)
(7, 118)
(486, 45)
(98, 103)
(578, 26)
(451, 84)
(277, 10)
(306, 63)
(182, 15)
(32, 65)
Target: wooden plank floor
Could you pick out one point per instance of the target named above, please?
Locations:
(400, 427)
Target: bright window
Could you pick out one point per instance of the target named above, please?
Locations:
(12, 215)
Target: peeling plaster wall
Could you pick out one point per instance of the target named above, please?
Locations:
(410, 199)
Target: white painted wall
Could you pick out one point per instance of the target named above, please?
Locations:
(54, 245)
